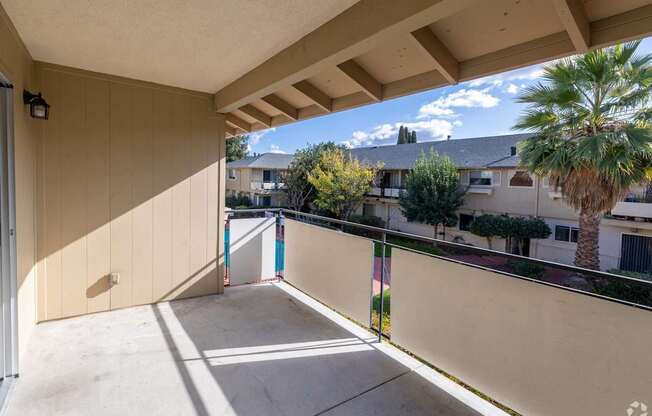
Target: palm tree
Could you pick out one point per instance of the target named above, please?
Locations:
(593, 123)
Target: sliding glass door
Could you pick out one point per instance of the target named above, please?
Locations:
(8, 328)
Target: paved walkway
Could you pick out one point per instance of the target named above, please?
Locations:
(256, 350)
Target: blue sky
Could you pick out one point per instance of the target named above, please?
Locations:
(482, 107)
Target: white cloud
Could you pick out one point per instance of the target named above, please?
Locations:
(467, 98)
(512, 88)
(275, 149)
(387, 133)
(523, 74)
(254, 138)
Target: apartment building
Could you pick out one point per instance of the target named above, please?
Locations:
(259, 177)
(489, 169)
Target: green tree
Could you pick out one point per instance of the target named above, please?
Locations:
(521, 229)
(432, 192)
(401, 135)
(592, 120)
(300, 192)
(489, 227)
(237, 148)
(341, 182)
(406, 136)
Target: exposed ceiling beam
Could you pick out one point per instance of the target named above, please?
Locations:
(527, 53)
(573, 17)
(445, 62)
(634, 24)
(256, 114)
(315, 95)
(361, 77)
(230, 131)
(630, 25)
(282, 106)
(364, 26)
(237, 122)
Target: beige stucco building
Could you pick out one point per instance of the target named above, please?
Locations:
(260, 178)
(490, 173)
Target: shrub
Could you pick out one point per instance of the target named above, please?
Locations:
(526, 269)
(635, 275)
(386, 301)
(629, 291)
(238, 201)
(370, 220)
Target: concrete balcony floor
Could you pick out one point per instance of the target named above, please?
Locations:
(256, 350)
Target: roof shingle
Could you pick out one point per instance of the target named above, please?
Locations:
(478, 152)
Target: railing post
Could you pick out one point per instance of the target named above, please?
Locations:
(382, 288)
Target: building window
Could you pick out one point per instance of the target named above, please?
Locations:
(267, 176)
(267, 201)
(565, 233)
(231, 173)
(521, 179)
(465, 222)
(481, 177)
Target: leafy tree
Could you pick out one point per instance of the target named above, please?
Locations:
(490, 227)
(401, 135)
(521, 229)
(593, 122)
(237, 148)
(413, 137)
(341, 182)
(300, 192)
(432, 192)
(510, 228)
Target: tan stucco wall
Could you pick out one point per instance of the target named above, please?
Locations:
(242, 181)
(128, 182)
(333, 267)
(16, 65)
(537, 349)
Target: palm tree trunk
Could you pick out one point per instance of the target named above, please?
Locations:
(587, 253)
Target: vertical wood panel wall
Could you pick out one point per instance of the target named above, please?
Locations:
(128, 182)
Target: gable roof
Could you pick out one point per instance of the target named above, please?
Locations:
(263, 161)
(478, 152)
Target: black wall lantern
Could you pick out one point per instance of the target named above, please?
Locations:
(38, 107)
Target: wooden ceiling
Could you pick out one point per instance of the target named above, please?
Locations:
(382, 49)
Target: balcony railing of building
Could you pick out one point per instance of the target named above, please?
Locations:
(385, 192)
(635, 205)
(267, 186)
(504, 324)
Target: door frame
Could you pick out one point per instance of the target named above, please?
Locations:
(8, 279)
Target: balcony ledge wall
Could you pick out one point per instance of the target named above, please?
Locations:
(537, 349)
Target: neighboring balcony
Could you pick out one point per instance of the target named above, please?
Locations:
(389, 192)
(633, 209)
(267, 186)
(635, 206)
